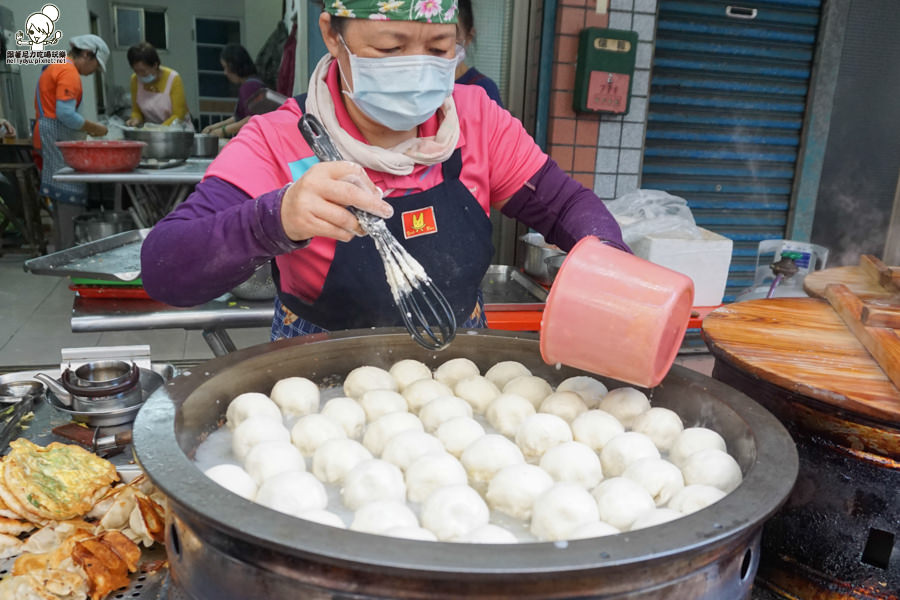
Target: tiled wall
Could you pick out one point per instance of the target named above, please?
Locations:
(602, 152)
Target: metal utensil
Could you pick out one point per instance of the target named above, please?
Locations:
(425, 311)
(9, 428)
(15, 391)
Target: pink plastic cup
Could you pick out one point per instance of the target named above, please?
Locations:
(616, 315)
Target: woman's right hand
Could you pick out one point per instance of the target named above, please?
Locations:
(94, 129)
(209, 128)
(316, 204)
(134, 122)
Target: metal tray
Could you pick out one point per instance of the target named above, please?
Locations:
(506, 288)
(113, 258)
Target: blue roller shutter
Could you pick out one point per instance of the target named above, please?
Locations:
(727, 101)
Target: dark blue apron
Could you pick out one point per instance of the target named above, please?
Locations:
(456, 256)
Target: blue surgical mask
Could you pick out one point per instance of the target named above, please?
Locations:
(147, 78)
(402, 92)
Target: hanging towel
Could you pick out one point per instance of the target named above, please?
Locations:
(286, 70)
(269, 58)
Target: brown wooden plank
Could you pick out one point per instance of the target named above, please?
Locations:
(854, 277)
(880, 313)
(881, 342)
(801, 345)
(887, 277)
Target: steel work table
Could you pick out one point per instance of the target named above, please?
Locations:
(507, 293)
(153, 192)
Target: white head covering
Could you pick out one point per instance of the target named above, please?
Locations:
(95, 44)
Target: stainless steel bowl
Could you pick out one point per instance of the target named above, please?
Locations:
(163, 144)
(710, 554)
(205, 145)
(536, 252)
(260, 285)
(553, 264)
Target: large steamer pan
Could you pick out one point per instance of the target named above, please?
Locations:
(222, 546)
(162, 144)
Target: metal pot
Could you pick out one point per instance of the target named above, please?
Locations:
(536, 252)
(162, 144)
(94, 226)
(98, 386)
(710, 554)
(205, 145)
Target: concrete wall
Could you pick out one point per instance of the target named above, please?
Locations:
(258, 19)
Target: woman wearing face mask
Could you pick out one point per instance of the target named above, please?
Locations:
(157, 92)
(465, 35)
(443, 155)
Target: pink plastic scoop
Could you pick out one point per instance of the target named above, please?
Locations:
(616, 315)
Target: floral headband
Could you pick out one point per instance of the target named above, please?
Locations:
(427, 11)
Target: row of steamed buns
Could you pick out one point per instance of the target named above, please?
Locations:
(579, 461)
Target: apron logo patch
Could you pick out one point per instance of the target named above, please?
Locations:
(419, 222)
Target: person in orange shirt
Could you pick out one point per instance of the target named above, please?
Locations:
(56, 102)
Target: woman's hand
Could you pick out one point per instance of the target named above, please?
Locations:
(316, 204)
(94, 129)
(209, 128)
(7, 129)
(217, 131)
(134, 122)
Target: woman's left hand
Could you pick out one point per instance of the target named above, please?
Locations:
(7, 129)
(217, 131)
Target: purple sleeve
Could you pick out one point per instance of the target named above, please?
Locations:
(211, 243)
(563, 210)
(245, 92)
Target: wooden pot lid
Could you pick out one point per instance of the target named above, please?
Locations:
(800, 344)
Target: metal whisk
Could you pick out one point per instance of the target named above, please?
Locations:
(425, 311)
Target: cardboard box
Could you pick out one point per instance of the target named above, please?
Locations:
(705, 260)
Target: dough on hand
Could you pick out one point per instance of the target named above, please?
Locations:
(271, 458)
(364, 379)
(454, 510)
(455, 370)
(625, 449)
(660, 425)
(293, 493)
(695, 497)
(620, 501)
(507, 411)
(234, 479)
(254, 431)
(595, 428)
(504, 371)
(377, 403)
(592, 530)
(311, 431)
(488, 534)
(411, 533)
(625, 404)
(323, 517)
(591, 390)
(487, 455)
(565, 405)
(456, 434)
(573, 462)
(478, 391)
(296, 396)
(251, 404)
(559, 511)
(538, 433)
(348, 414)
(657, 516)
(419, 393)
(694, 439)
(659, 477)
(712, 467)
(372, 480)
(381, 431)
(335, 458)
(531, 387)
(514, 489)
(408, 446)
(442, 409)
(407, 371)
(381, 515)
(431, 472)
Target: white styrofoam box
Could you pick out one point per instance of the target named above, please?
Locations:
(705, 260)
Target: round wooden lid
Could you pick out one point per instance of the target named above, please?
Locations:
(802, 345)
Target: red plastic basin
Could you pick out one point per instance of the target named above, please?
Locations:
(102, 156)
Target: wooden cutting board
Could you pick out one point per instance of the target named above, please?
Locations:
(800, 344)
